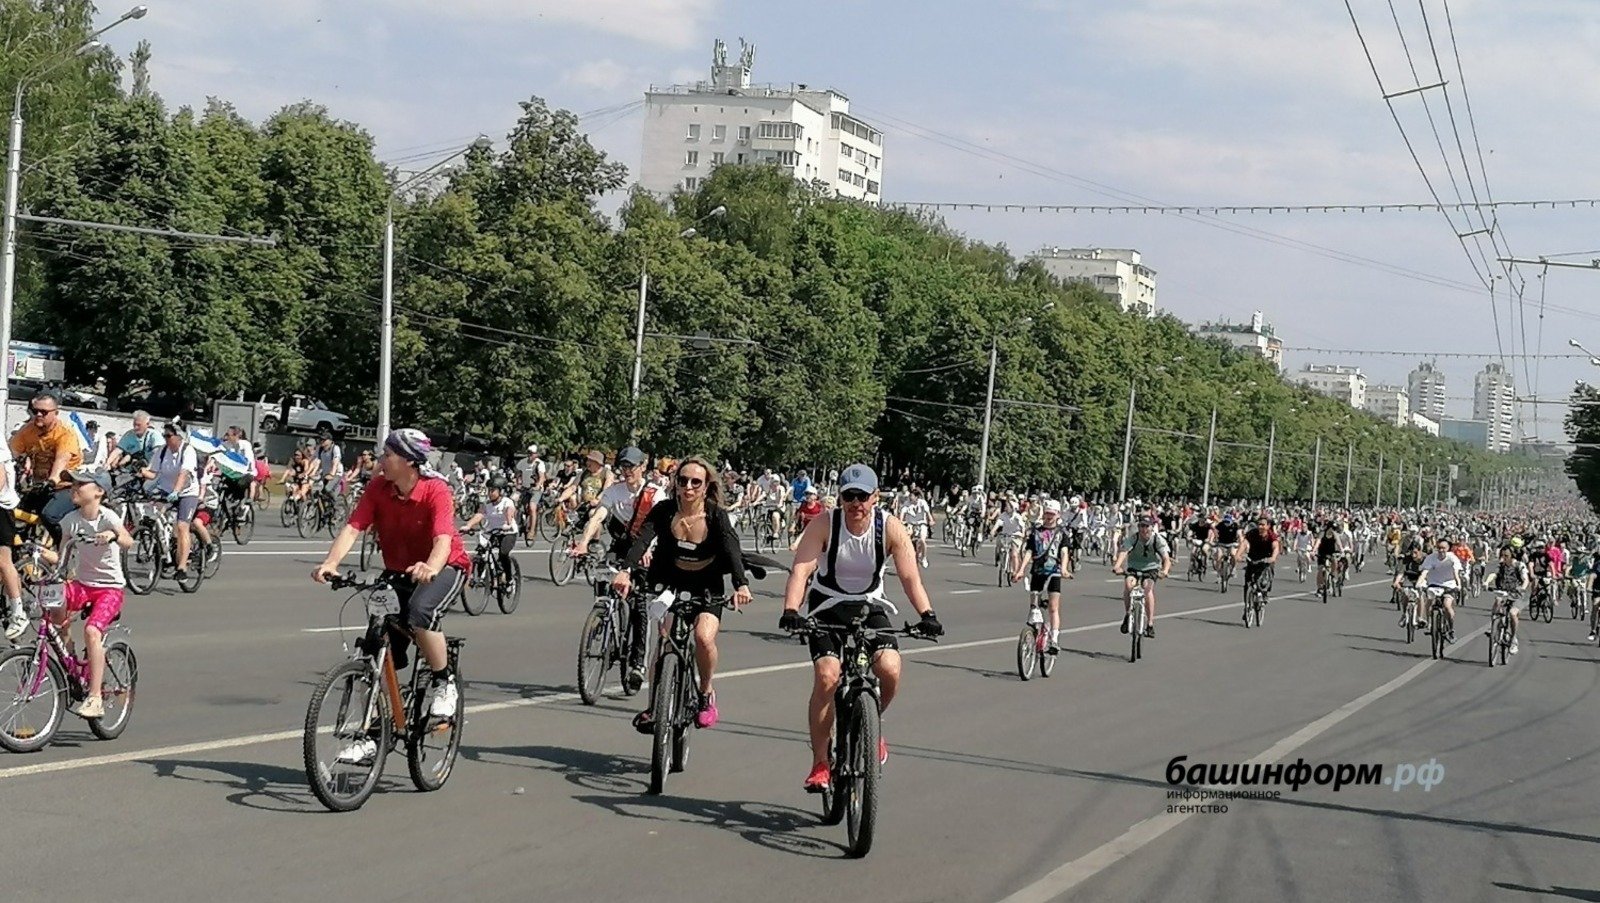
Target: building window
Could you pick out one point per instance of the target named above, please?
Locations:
(744, 131)
(738, 158)
(844, 177)
(873, 161)
(872, 187)
(846, 149)
(861, 156)
(691, 158)
(719, 133)
(694, 132)
(789, 158)
(716, 158)
(689, 182)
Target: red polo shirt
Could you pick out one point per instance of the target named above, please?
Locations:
(407, 526)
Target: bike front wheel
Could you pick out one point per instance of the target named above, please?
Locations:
(344, 749)
(562, 565)
(1027, 653)
(32, 704)
(663, 710)
(861, 806)
(117, 691)
(594, 655)
(510, 591)
(475, 599)
(244, 526)
(141, 562)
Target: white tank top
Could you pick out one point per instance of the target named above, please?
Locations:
(856, 566)
(851, 568)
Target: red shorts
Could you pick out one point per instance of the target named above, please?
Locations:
(104, 603)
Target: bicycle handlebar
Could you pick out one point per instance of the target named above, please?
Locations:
(350, 580)
(812, 626)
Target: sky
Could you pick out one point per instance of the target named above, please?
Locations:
(1269, 102)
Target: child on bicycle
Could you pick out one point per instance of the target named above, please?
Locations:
(87, 537)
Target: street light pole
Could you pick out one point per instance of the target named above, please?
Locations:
(1316, 472)
(1211, 449)
(1272, 446)
(1379, 500)
(1349, 462)
(988, 413)
(1127, 447)
(638, 331)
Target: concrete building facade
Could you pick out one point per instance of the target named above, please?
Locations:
(1390, 403)
(1117, 272)
(1258, 336)
(690, 130)
(1344, 383)
(1494, 401)
(1425, 385)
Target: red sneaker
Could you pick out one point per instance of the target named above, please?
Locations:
(820, 780)
(883, 751)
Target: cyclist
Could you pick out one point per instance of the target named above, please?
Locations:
(1511, 577)
(497, 515)
(583, 493)
(94, 537)
(974, 512)
(698, 547)
(50, 448)
(918, 518)
(1442, 570)
(1329, 551)
(531, 479)
(297, 477)
(1143, 552)
(1046, 550)
(1225, 538)
(1261, 547)
(16, 617)
(624, 505)
(1009, 529)
(176, 472)
(1408, 572)
(409, 506)
(810, 509)
(1200, 530)
(838, 575)
(136, 445)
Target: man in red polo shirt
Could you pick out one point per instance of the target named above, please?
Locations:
(410, 506)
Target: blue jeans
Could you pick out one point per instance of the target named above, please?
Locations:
(59, 506)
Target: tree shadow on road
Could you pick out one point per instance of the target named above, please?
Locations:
(1398, 653)
(982, 672)
(256, 785)
(1571, 893)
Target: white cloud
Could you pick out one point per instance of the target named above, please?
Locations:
(600, 75)
(669, 23)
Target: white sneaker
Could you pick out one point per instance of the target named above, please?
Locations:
(443, 703)
(16, 623)
(1513, 646)
(364, 750)
(90, 707)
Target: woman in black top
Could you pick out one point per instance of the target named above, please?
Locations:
(695, 546)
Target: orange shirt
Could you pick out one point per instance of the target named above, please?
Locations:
(39, 446)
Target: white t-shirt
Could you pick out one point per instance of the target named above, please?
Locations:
(99, 564)
(915, 511)
(8, 478)
(618, 500)
(498, 515)
(1011, 524)
(1440, 570)
(170, 464)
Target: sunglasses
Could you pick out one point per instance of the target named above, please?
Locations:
(626, 466)
(854, 495)
(691, 482)
(38, 412)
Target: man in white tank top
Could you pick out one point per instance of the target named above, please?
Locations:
(838, 569)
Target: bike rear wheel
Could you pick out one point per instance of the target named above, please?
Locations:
(510, 591)
(1027, 653)
(369, 548)
(562, 565)
(861, 808)
(116, 691)
(305, 519)
(141, 562)
(663, 709)
(288, 512)
(1549, 610)
(343, 698)
(30, 712)
(244, 526)
(475, 599)
(594, 655)
(434, 742)
(211, 555)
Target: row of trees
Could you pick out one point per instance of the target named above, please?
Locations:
(834, 330)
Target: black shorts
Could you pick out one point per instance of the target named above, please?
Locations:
(1048, 584)
(8, 528)
(425, 604)
(828, 643)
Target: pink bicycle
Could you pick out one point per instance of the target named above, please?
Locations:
(40, 680)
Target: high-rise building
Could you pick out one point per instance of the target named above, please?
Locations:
(1425, 385)
(1344, 383)
(1494, 400)
(1116, 272)
(1258, 336)
(1391, 403)
(690, 130)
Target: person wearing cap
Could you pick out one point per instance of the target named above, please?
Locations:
(1259, 552)
(838, 575)
(50, 448)
(1046, 550)
(697, 548)
(916, 514)
(530, 479)
(176, 472)
(410, 507)
(623, 508)
(1144, 554)
(810, 509)
(94, 537)
(16, 618)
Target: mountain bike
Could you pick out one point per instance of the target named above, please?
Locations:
(39, 681)
(1136, 613)
(607, 639)
(1255, 596)
(1197, 563)
(1577, 598)
(289, 511)
(322, 512)
(1438, 622)
(1410, 597)
(1502, 633)
(154, 552)
(370, 711)
(856, 766)
(1224, 569)
(1033, 644)
(1540, 601)
(675, 686)
(490, 581)
(1002, 561)
(237, 515)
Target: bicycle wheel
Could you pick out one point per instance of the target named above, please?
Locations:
(547, 523)
(475, 599)
(341, 772)
(288, 512)
(117, 690)
(861, 807)
(211, 556)
(594, 654)
(244, 527)
(663, 710)
(510, 592)
(264, 498)
(688, 690)
(1027, 653)
(1136, 631)
(562, 565)
(1549, 610)
(434, 742)
(1494, 642)
(196, 570)
(369, 548)
(1436, 630)
(1411, 623)
(305, 519)
(1000, 570)
(334, 515)
(1047, 660)
(1258, 606)
(33, 705)
(141, 562)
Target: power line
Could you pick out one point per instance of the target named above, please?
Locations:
(1427, 354)
(1243, 209)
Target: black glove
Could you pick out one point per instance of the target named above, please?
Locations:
(929, 625)
(790, 621)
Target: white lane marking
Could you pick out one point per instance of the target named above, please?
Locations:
(1070, 875)
(964, 592)
(327, 629)
(320, 548)
(279, 736)
(968, 564)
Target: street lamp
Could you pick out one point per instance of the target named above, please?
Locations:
(638, 332)
(1593, 358)
(8, 224)
(386, 329)
(988, 401)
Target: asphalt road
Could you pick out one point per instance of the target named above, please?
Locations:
(995, 789)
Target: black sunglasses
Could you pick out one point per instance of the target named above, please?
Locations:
(854, 495)
(37, 411)
(691, 482)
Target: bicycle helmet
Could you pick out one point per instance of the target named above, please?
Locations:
(498, 483)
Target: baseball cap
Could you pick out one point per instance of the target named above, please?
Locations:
(533, 449)
(631, 455)
(858, 476)
(92, 475)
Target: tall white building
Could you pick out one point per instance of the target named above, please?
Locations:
(1258, 336)
(1117, 272)
(1391, 403)
(1344, 383)
(690, 130)
(1494, 400)
(1426, 387)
